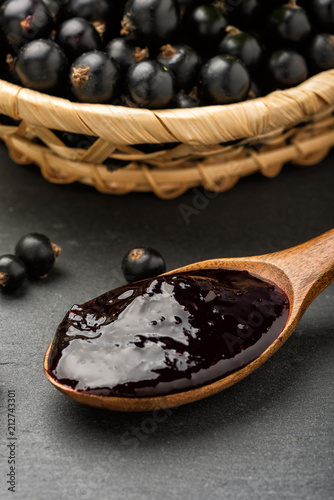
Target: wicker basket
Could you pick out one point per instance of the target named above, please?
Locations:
(212, 146)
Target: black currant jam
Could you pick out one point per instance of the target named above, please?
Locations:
(167, 334)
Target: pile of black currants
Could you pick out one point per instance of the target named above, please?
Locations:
(164, 53)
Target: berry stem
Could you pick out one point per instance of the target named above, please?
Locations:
(221, 4)
(194, 93)
(56, 249)
(292, 4)
(251, 94)
(10, 61)
(136, 253)
(168, 51)
(100, 27)
(80, 76)
(140, 54)
(3, 279)
(127, 27)
(232, 30)
(127, 102)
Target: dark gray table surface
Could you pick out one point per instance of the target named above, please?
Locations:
(268, 437)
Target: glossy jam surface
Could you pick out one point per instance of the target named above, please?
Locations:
(167, 334)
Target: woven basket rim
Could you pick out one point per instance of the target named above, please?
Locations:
(203, 125)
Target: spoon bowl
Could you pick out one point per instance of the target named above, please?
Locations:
(302, 272)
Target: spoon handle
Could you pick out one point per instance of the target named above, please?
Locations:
(309, 266)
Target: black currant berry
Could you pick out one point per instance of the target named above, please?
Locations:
(153, 148)
(255, 90)
(150, 84)
(321, 52)
(205, 26)
(76, 36)
(183, 61)
(189, 4)
(56, 9)
(78, 141)
(151, 22)
(41, 65)
(24, 21)
(245, 14)
(38, 253)
(7, 68)
(113, 164)
(94, 77)
(90, 9)
(126, 52)
(287, 68)
(223, 79)
(242, 45)
(183, 101)
(141, 263)
(288, 25)
(12, 272)
(323, 12)
(103, 14)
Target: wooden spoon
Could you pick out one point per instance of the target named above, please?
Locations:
(302, 272)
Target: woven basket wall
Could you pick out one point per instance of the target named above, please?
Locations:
(212, 146)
